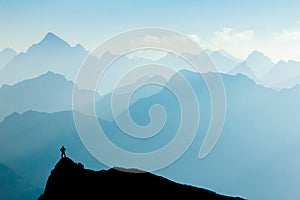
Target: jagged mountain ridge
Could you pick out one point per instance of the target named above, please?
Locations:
(52, 53)
(69, 180)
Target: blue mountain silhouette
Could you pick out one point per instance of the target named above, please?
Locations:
(261, 127)
(50, 54)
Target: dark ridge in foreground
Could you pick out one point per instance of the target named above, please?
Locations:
(69, 180)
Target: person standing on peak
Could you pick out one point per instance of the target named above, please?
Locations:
(63, 152)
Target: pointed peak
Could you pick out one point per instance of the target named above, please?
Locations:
(50, 35)
(79, 46)
(50, 41)
(256, 53)
(256, 56)
(108, 55)
(50, 74)
(51, 38)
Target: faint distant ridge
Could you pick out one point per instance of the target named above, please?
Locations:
(69, 180)
(256, 66)
(6, 55)
(52, 53)
(48, 93)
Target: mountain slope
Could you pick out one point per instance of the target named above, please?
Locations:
(69, 180)
(261, 124)
(49, 92)
(256, 66)
(221, 59)
(224, 61)
(6, 55)
(14, 187)
(29, 143)
(50, 54)
(284, 75)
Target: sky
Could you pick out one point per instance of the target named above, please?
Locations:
(272, 27)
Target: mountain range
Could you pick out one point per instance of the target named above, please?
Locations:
(54, 54)
(50, 54)
(48, 93)
(255, 157)
(261, 126)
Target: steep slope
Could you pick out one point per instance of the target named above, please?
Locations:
(261, 124)
(244, 69)
(29, 143)
(224, 61)
(49, 92)
(14, 187)
(6, 55)
(284, 75)
(256, 66)
(69, 180)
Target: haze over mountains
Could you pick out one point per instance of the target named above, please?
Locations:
(50, 54)
(256, 156)
(54, 54)
(261, 127)
(12, 186)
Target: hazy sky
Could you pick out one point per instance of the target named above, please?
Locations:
(272, 27)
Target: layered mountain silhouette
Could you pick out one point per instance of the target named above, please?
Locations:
(223, 61)
(54, 54)
(49, 92)
(50, 54)
(261, 124)
(69, 180)
(30, 147)
(12, 186)
(256, 155)
(256, 66)
(284, 74)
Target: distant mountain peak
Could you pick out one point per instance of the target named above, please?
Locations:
(256, 57)
(257, 54)
(51, 40)
(51, 36)
(79, 46)
(256, 66)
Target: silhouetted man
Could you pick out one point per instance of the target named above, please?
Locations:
(63, 152)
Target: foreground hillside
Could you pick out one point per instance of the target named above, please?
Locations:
(69, 180)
